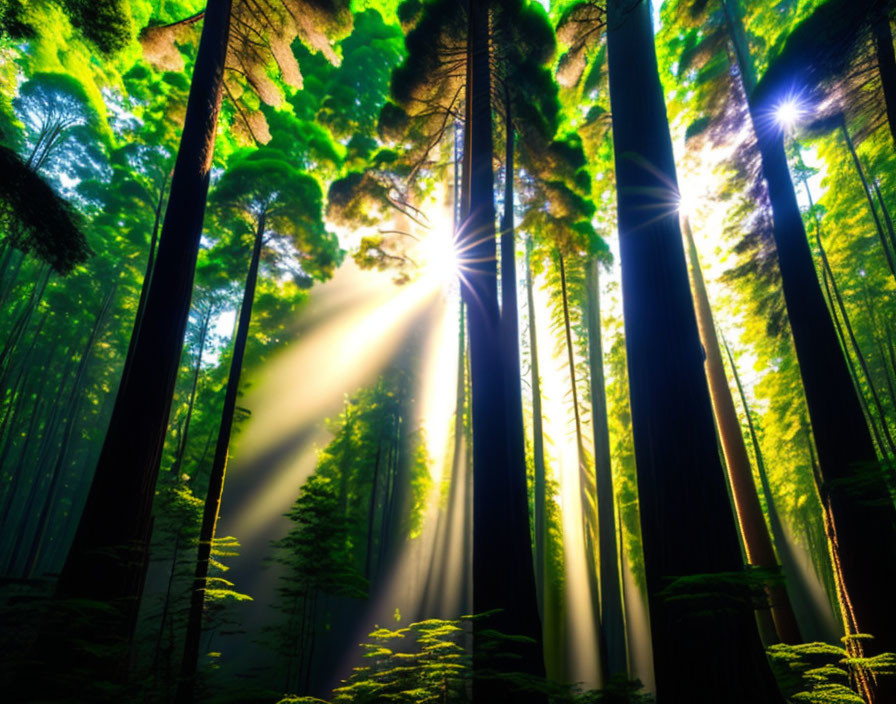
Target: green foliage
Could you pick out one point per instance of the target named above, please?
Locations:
(106, 23)
(429, 661)
(818, 673)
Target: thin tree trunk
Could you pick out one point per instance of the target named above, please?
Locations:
(866, 189)
(754, 531)
(106, 562)
(24, 317)
(612, 620)
(865, 569)
(166, 605)
(888, 220)
(187, 682)
(687, 525)
(72, 405)
(886, 444)
(815, 625)
(588, 503)
(6, 287)
(538, 459)
(182, 445)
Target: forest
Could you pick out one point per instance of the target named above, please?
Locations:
(448, 351)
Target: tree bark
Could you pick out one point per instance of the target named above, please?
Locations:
(754, 531)
(687, 526)
(106, 560)
(187, 682)
(612, 620)
(510, 336)
(502, 552)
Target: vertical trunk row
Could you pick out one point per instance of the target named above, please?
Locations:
(106, 560)
(186, 685)
(852, 485)
(886, 245)
(846, 455)
(689, 536)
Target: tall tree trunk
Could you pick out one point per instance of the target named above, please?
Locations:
(687, 526)
(754, 531)
(886, 65)
(538, 459)
(510, 338)
(184, 436)
(587, 501)
(853, 488)
(187, 682)
(502, 553)
(106, 560)
(612, 620)
(817, 622)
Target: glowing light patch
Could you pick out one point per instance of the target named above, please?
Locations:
(789, 112)
(438, 255)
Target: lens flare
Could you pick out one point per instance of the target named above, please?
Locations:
(789, 112)
(438, 254)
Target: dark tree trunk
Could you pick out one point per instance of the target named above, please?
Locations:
(106, 560)
(502, 552)
(852, 485)
(186, 685)
(754, 531)
(612, 620)
(510, 336)
(687, 525)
